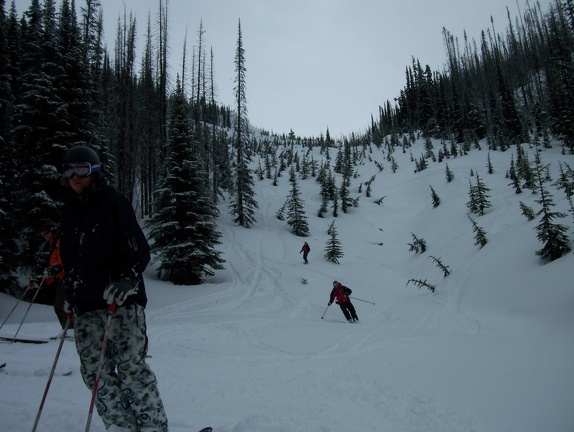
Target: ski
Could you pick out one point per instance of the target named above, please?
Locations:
(59, 337)
(19, 340)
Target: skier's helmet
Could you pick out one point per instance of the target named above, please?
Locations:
(81, 154)
(335, 283)
(80, 161)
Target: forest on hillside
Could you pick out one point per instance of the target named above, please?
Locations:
(60, 87)
(510, 88)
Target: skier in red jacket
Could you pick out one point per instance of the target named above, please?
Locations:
(305, 249)
(340, 294)
(54, 273)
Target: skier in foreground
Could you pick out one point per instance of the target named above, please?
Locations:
(104, 252)
(340, 294)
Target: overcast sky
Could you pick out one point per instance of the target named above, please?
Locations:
(313, 64)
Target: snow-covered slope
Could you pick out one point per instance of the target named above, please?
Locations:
(490, 350)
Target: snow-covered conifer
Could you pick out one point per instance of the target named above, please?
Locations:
(435, 198)
(333, 249)
(295, 207)
(183, 230)
(551, 234)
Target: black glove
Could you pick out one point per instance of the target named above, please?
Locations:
(53, 271)
(119, 291)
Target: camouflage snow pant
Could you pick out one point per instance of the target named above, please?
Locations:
(128, 397)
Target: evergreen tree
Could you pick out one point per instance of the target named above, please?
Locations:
(38, 113)
(527, 211)
(183, 229)
(453, 148)
(514, 177)
(151, 137)
(8, 193)
(489, 165)
(560, 73)
(479, 234)
(305, 168)
(333, 249)
(482, 195)
(422, 284)
(394, 165)
(345, 195)
(472, 203)
(281, 212)
(565, 180)
(551, 234)
(296, 218)
(419, 245)
(435, 198)
(324, 206)
(449, 174)
(339, 161)
(566, 183)
(479, 199)
(369, 186)
(75, 86)
(335, 206)
(243, 205)
(442, 266)
(429, 154)
(524, 170)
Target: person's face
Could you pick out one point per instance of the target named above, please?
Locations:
(79, 184)
(47, 234)
(79, 175)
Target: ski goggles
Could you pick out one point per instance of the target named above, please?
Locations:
(79, 169)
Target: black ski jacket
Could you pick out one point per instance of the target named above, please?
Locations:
(101, 242)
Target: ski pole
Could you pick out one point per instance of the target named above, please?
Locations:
(322, 316)
(16, 305)
(28, 310)
(111, 310)
(355, 298)
(68, 321)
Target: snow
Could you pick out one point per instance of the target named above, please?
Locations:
(490, 350)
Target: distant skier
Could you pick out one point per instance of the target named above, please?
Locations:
(305, 249)
(340, 294)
